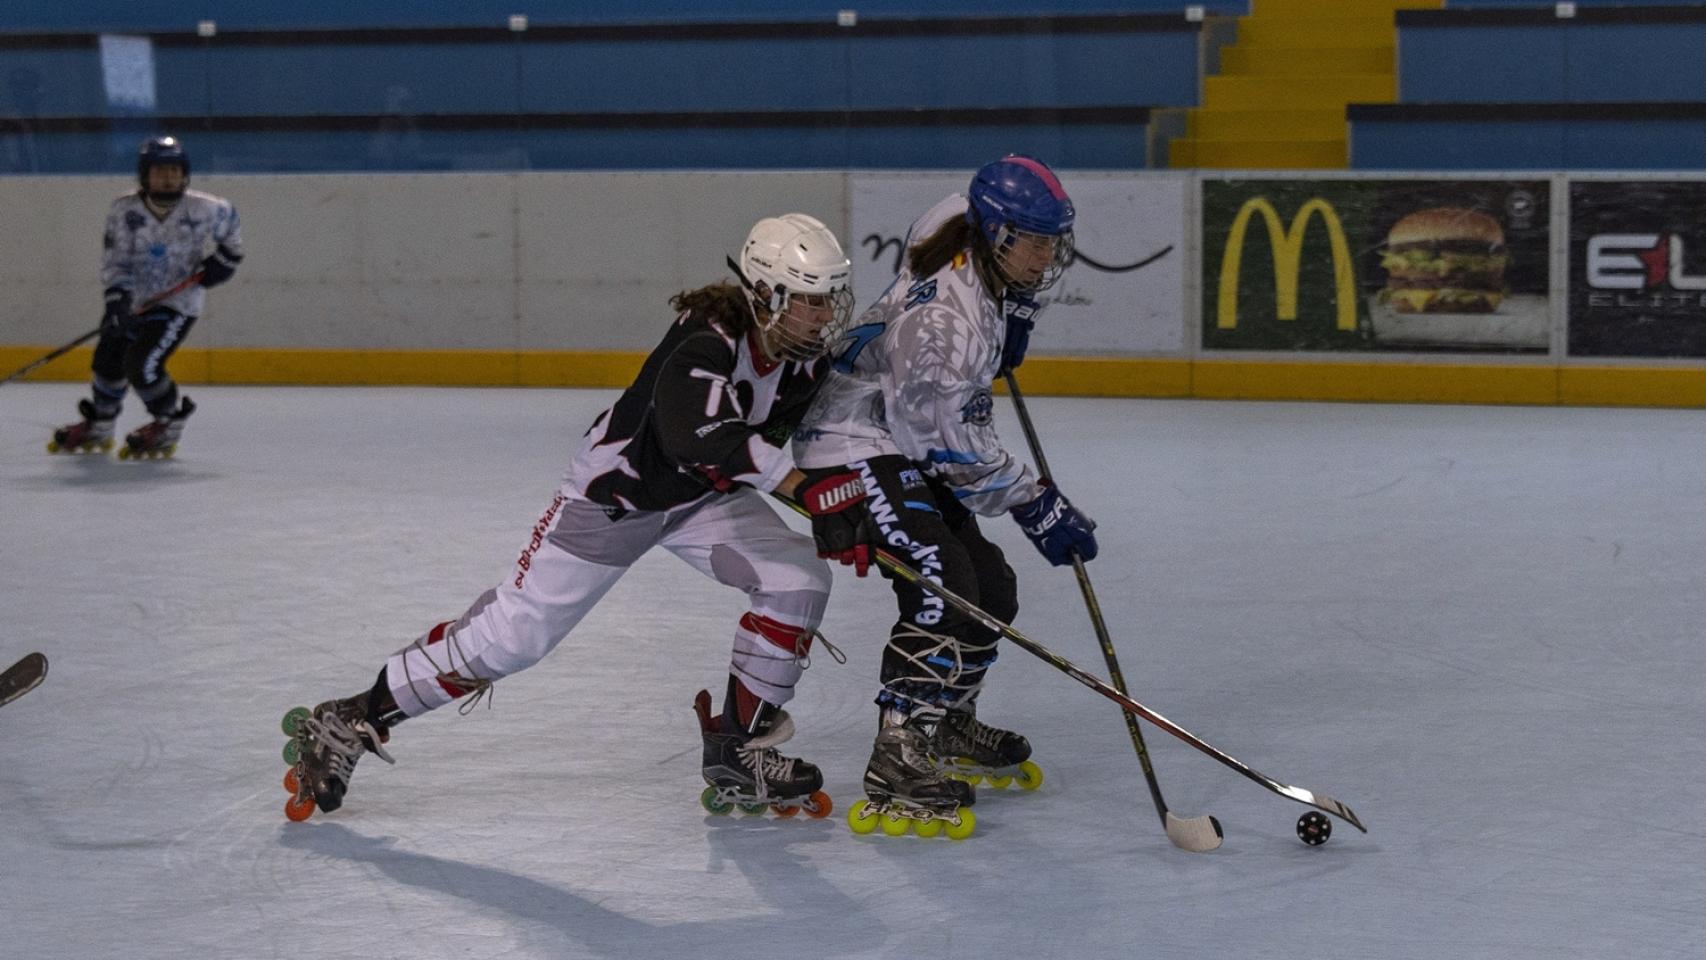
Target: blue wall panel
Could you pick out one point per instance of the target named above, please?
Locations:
(1110, 146)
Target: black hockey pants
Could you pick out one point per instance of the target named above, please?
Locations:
(936, 656)
(134, 354)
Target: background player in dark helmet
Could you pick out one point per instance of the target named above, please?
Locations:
(156, 239)
(679, 461)
(909, 409)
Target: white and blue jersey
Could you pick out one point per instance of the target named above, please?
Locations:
(146, 255)
(912, 377)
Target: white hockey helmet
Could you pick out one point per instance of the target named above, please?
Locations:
(800, 284)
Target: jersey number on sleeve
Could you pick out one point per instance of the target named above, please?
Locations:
(856, 340)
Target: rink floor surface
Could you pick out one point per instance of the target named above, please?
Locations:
(1478, 626)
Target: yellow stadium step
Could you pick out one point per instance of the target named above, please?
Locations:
(1239, 60)
(1207, 124)
(1257, 92)
(1316, 32)
(1257, 154)
(1269, 9)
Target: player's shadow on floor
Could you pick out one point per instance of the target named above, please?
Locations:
(762, 850)
(593, 927)
(108, 474)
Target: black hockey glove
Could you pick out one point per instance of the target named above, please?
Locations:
(841, 520)
(117, 310)
(219, 266)
(1021, 314)
(1057, 528)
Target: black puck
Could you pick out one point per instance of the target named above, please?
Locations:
(1314, 828)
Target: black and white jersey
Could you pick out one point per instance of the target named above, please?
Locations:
(706, 404)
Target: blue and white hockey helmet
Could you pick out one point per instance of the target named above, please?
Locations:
(1025, 218)
(161, 150)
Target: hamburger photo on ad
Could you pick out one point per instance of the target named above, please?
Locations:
(1445, 260)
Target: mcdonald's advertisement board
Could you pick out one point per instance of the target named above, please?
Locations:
(1637, 269)
(1123, 292)
(1426, 266)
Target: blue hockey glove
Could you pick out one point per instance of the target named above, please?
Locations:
(1057, 528)
(1021, 315)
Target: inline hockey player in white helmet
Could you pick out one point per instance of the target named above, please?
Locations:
(681, 461)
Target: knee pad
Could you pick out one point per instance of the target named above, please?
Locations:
(769, 656)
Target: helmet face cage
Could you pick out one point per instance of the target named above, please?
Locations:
(1018, 264)
(801, 326)
(799, 283)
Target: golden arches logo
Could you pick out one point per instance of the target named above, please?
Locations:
(1287, 246)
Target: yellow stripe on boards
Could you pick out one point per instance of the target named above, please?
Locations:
(1215, 378)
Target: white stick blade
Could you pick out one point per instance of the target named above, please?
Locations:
(1198, 834)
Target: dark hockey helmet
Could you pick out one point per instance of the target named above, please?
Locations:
(1024, 219)
(158, 150)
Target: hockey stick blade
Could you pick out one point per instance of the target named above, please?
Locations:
(1198, 834)
(22, 677)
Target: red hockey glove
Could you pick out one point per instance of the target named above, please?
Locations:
(841, 521)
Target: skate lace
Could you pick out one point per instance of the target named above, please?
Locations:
(982, 734)
(480, 687)
(342, 742)
(767, 765)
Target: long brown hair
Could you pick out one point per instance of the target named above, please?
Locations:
(722, 303)
(933, 252)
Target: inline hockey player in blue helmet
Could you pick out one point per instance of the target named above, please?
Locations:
(910, 410)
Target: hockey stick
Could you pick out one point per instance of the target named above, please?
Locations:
(889, 562)
(170, 292)
(1198, 834)
(22, 677)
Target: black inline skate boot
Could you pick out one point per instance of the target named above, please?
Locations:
(92, 434)
(742, 766)
(324, 745)
(969, 749)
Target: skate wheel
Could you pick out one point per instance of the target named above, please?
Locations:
(861, 819)
(753, 809)
(1000, 783)
(292, 752)
(818, 805)
(895, 824)
(125, 453)
(297, 811)
(1030, 776)
(292, 783)
(783, 810)
(962, 825)
(293, 718)
(53, 446)
(929, 828)
(708, 800)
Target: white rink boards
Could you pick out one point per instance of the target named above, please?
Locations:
(1478, 626)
